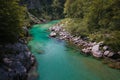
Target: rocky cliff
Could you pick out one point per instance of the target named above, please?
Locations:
(15, 61)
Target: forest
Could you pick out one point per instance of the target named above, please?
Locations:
(99, 20)
(24, 30)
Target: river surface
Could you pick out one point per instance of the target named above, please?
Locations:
(58, 61)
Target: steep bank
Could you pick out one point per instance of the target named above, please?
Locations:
(16, 61)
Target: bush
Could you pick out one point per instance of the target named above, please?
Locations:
(113, 40)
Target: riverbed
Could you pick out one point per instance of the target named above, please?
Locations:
(58, 61)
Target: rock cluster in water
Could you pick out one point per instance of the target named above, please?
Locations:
(98, 50)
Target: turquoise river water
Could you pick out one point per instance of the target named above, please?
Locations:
(58, 61)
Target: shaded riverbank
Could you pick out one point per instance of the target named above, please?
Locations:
(15, 61)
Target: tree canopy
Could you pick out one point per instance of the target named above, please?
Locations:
(48, 9)
(12, 17)
(96, 19)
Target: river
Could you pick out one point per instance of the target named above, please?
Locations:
(58, 61)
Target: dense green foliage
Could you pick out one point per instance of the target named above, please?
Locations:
(49, 9)
(12, 17)
(97, 19)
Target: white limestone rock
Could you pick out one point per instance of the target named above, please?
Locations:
(111, 54)
(106, 53)
(96, 52)
(53, 34)
(105, 47)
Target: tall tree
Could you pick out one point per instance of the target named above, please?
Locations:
(12, 17)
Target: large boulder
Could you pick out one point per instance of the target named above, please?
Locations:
(96, 51)
(51, 28)
(55, 28)
(53, 34)
(86, 50)
(111, 54)
(106, 53)
(119, 52)
(105, 47)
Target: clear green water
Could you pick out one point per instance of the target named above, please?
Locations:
(59, 62)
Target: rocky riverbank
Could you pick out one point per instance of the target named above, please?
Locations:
(16, 60)
(98, 50)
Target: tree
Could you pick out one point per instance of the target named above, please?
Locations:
(67, 7)
(57, 9)
(12, 17)
(96, 19)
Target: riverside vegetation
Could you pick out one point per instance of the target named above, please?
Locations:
(94, 26)
(15, 58)
(94, 22)
(99, 20)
